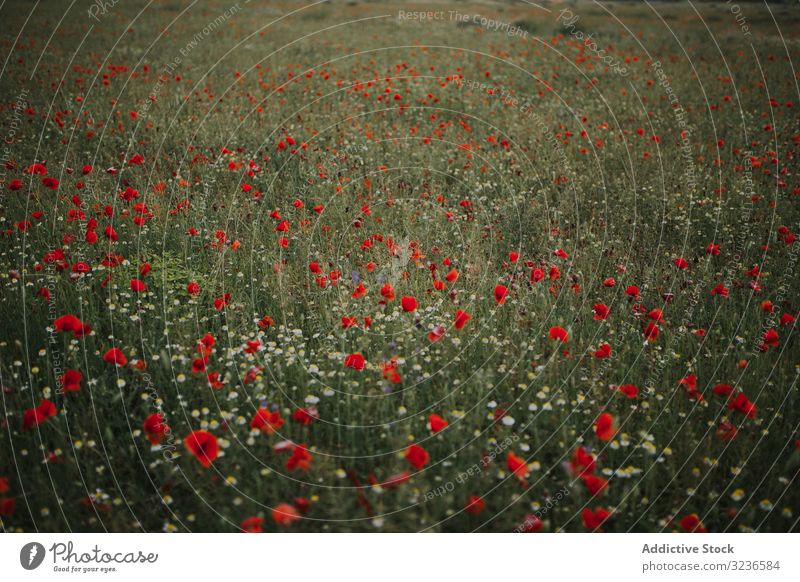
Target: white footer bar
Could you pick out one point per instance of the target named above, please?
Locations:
(398, 557)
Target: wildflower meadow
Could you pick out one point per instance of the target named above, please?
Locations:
(350, 266)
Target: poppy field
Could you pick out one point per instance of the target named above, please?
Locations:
(378, 267)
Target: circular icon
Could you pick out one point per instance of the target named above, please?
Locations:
(31, 555)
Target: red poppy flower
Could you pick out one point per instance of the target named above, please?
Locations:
(305, 416)
(536, 275)
(651, 332)
(408, 303)
(222, 301)
(582, 462)
(604, 351)
(742, 404)
(500, 294)
(600, 311)
(138, 286)
(199, 365)
(770, 338)
(266, 322)
(726, 431)
(417, 456)
(253, 524)
(629, 390)
(252, 346)
(193, 289)
(474, 505)
(594, 519)
(720, 290)
(754, 272)
(7, 506)
(516, 465)
(285, 514)
(115, 356)
(681, 263)
(71, 381)
(632, 291)
(724, 390)
(690, 381)
(691, 523)
(154, 428)
(436, 423)
(69, 322)
(266, 421)
(203, 445)
(559, 333)
(300, 459)
(35, 416)
(301, 504)
(436, 333)
(355, 361)
(462, 317)
(359, 291)
(595, 485)
(214, 380)
(387, 291)
(604, 427)
(531, 524)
